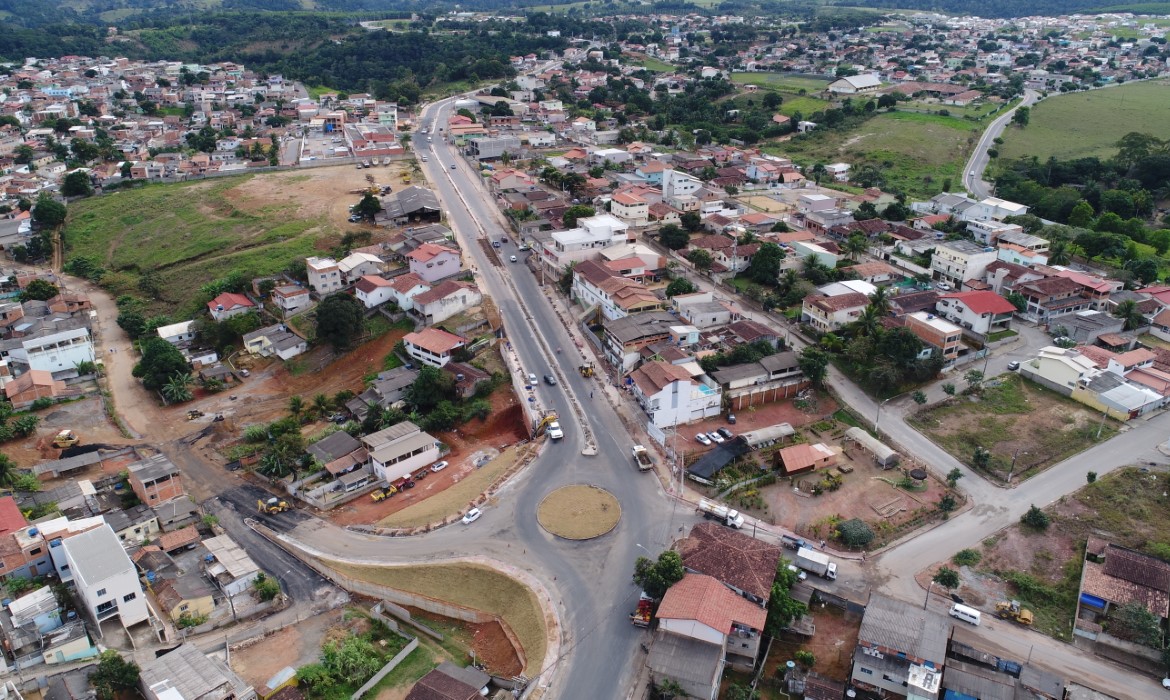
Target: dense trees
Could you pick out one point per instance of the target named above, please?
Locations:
(339, 320)
(655, 577)
(160, 362)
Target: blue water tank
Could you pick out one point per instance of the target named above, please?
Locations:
(33, 532)
(150, 577)
(71, 615)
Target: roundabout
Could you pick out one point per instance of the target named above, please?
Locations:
(579, 512)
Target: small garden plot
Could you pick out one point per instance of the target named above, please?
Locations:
(1012, 419)
(351, 654)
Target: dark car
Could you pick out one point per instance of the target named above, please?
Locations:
(956, 598)
(408, 485)
(550, 380)
(727, 434)
(452, 166)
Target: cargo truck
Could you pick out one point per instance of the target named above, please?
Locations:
(727, 516)
(642, 458)
(816, 562)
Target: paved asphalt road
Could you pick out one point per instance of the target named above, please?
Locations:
(977, 163)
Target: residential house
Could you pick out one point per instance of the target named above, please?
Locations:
(185, 673)
(35, 631)
(177, 333)
(357, 265)
(630, 208)
(744, 564)
(702, 626)
(955, 262)
(388, 390)
(749, 331)
(1115, 576)
(981, 312)
(673, 394)
(404, 288)
(324, 275)
(701, 310)
(433, 262)
(372, 290)
(1160, 327)
(398, 451)
(1059, 369)
(803, 457)
(445, 300)
(875, 272)
(625, 337)
(829, 313)
(156, 479)
(229, 566)
(937, 333)
(433, 346)
(229, 304)
(135, 525)
(291, 298)
(1085, 327)
(184, 595)
(57, 352)
(901, 649)
(593, 234)
(450, 682)
(468, 378)
(1050, 298)
(275, 340)
(340, 452)
(32, 386)
(105, 579)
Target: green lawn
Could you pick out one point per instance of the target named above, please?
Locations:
(653, 64)
(1090, 123)
(190, 233)
(315, 91)
(916, 152)
(780, 81)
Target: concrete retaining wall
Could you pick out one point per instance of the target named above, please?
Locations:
(390, 666)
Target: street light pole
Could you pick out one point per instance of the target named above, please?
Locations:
(881, 405)
(1012, 469)
(928, 589)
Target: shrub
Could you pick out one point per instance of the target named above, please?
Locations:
(854, 533)
(266, 587)
(1091, 477)
(42, 403)
(805, 658)
(967, 557)
(1036, 519)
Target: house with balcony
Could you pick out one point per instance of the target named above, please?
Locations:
(592, 235)
(290, 298)
(955, 262)
(400, 450)
(433, 262)
(324, 275)
(1050, 298)
(673, 394)
(630, 208)
(982, 312)
(106, 580)
(703, 627)
(701, 310)
(595, 285)
(626, 337)
(901, 649)
(433, 346)
(829, 313)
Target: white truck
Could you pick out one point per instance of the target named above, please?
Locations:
(816, 562)
(642, 458)
(729, 517)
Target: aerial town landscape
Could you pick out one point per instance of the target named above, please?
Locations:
(717, 349)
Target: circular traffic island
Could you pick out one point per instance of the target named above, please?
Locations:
(579, 512)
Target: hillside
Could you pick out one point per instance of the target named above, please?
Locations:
(1082, 124)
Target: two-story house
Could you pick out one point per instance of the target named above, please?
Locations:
(592, 235)
(936, 332)
(671, 395)
(901, 649)
(57, 352)
(106, 580)
(156, 480)
(433, 262)
(701, 310)
(1050, 298)
(625, 337)
(398, 451)
(594, 284)
(433, 346)
(982, 312)
(372, 290)
(324, 275)
(290, 298)
(630, 208)
(829, 313)
(774, 378)
(955, 262)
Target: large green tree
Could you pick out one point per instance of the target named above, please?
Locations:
(339, 320)
(39, 290)
(76, 184)
(575, 212)
(655, 577)
(782, 607)
(48, 211)
(674, 237)
(431, 387)
(160, 362)
(114, 675)
(765, 265)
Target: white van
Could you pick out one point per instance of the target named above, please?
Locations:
(965, 614)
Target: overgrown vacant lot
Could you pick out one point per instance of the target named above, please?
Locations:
(196, 232)
(1012, 415)
(1090, 123)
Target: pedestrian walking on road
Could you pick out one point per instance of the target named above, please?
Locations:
(590, 393)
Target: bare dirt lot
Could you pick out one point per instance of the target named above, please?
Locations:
(314, 192)
(86, 417)
(488, 641)
(295, 645)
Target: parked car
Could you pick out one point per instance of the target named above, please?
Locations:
(800, 573)
(550, 380)
(472, 516)
(702, 439)
(726, 433)
(512, 258)
(1013, 366)
(731, 418)
(439, 466)
(943, 286)
(716, 437)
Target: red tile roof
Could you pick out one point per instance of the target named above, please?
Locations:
(734, 558)
(229, 301)
(11, 519)
(435, 340)
(428, 251)
(706, 600)
(407, 282)
(982, 302)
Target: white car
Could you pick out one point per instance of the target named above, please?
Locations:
(800, 573)
(554, 430)
(702, 439)
(472, 516)
(438, 466)
(716, 438)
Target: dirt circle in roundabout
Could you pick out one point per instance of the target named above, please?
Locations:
(579, 512)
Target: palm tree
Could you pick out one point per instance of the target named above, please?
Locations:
(788, 281)
(880, 301)
(1129, 312)
(855, 245)
(868, 322)
(819, 171)
(176, 390)
(321, 404)
(7, 470)
(296, 405)
(1059, 253)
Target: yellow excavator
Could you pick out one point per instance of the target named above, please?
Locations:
(66, 438)
(1011, 610)
(272, 505)
(586, 371)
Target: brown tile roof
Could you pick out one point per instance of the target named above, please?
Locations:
(732, 557)
(1119, 591)
(437, 685)
(1049, 286)
(652, 377)
(169, 541)
(405, 283)
(839, 302)
(441, 291)
(706, 600)
(1138, 568)
(715, 242)
(751, 331)
(435, 340)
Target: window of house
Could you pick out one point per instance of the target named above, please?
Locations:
(33, 552)
(108, 605)
(101, 591)
(866, 671)
(129, 597)
(184, 607)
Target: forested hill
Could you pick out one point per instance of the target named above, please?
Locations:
(1004, 8)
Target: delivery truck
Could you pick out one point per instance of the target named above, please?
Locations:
(816, 562)
(642, 458)
(727, 516)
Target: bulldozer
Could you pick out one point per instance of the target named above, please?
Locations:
(1011, 610)
(272, 505)
(66, 438)
(586, 371)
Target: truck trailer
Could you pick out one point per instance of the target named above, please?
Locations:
(816, 562)
(727, 516)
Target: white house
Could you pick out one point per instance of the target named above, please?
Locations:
(432, 346)
(105, 578)
(1061, 367)
(592, 235)
(839, 171)
(57, 352)
(372, 290)
(981, 311)
(230, 566)
(229, 304)
(396, 452)
(433, 262)
(630, 208)
(955, 262)
(291, 297)
(445, 300)
(177, 333)
(830, 313)
(357, 265)
(405, 288)
(324, 275)
(275, 340)
(673, 394)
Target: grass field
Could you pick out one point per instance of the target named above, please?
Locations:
(915, 152)
(780, 81)
(190, 233)
(653, 64)
(476, 587)
(1090, 123)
